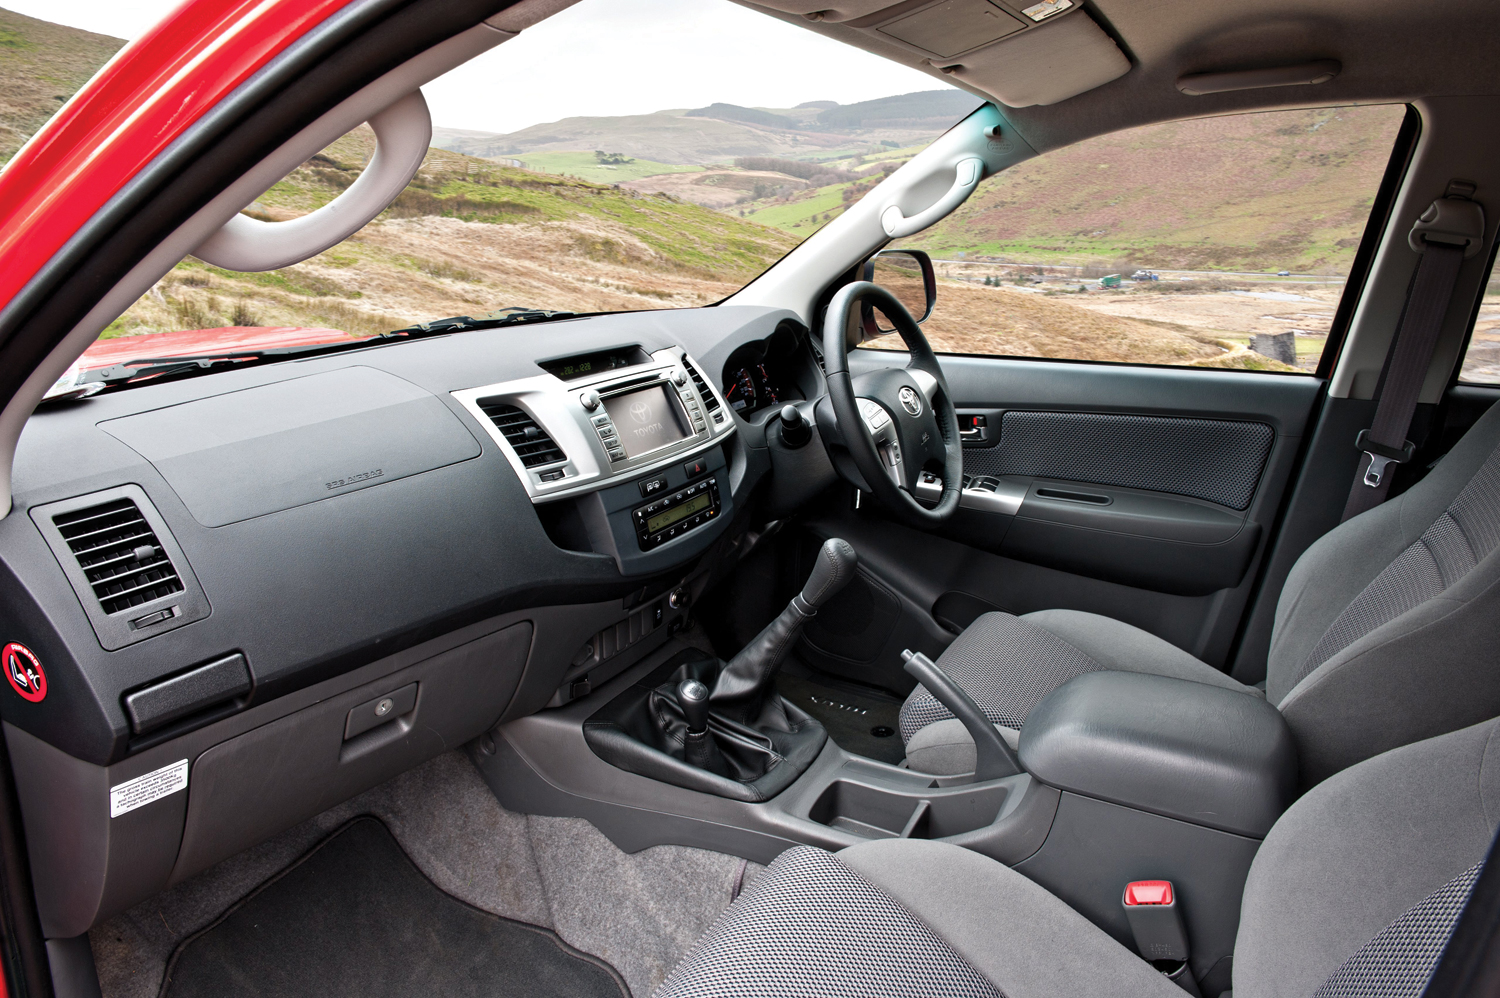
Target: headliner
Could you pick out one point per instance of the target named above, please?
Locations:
(1391, 52)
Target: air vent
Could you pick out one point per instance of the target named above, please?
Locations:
(710, 400)
(528, 440)
(119, 554)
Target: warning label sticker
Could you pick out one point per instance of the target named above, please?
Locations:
(143, 790)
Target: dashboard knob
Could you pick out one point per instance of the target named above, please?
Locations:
(589, 400)
(794, 429)
(679, 378)
(678, 598)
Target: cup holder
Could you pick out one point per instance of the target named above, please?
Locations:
(874, 813)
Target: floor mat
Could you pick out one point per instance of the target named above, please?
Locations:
(851, 714)
(356, 918)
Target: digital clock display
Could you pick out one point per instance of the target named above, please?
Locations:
(589, 364)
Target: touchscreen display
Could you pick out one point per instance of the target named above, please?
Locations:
(645, 420)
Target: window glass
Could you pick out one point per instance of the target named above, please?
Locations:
(617, 156)
(1481, 364)
(1217, 242)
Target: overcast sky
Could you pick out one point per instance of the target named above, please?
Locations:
(606, 57)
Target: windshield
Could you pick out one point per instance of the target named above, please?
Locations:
(619, 156)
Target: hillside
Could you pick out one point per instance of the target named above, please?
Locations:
(721, 132)
(468, 237)
(41, 66)
(1245, 192)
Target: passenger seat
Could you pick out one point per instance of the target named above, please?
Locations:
(1355, 891)
(1385, 633)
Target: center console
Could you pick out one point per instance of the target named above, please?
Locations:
(1123, 777)
(620, 451)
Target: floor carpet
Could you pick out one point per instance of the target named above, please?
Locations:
(356, 917)
(855, 717)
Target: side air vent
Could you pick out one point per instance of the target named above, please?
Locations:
(130, 576)
(119, 554)
(528, 440)
(710, 400)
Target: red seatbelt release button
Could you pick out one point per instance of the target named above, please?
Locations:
(1156, 921)
(1148, 892)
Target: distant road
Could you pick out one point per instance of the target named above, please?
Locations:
(1294, 278)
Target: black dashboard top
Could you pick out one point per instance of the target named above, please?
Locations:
(330, 510)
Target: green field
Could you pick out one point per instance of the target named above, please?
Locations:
(585, 166)
(803, 216)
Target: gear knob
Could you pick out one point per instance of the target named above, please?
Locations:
(692, 696)
(832, 570)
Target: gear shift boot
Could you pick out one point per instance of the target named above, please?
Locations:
(644, 731)
(741, 740)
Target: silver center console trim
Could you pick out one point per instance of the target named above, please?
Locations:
(566, 411)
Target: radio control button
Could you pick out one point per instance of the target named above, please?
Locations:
(616, 454)
(589, 400)
(602, 419)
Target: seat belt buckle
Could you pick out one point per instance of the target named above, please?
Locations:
(1381, 457)
(1156, 922)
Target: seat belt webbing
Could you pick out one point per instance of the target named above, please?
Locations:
(1448, 232)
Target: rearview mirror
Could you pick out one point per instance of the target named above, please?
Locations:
(908, 275)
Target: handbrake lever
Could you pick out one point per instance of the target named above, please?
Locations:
(993, 758)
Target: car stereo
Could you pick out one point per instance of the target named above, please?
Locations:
(673, 516)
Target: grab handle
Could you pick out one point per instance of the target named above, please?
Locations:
(967, 175)
(402, 134)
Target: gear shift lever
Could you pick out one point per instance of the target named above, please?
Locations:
(742, 687)
(698, 747)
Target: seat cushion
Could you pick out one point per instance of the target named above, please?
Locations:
(905, 917)
(1008, 663)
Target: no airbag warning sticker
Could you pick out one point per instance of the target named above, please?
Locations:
(142, 790)
(24, 672)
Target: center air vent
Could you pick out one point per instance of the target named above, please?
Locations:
(710, 400)
(528, 440)
(123, 563)
(119, 554)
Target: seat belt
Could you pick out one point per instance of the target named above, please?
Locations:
(1449, 231)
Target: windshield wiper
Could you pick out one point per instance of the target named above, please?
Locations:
(163, 368)
(515, 315)
(155, 369)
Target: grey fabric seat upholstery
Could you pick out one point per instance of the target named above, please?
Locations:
(1355, 891)
(1384, 634)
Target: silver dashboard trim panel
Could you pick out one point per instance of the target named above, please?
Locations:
(556, 407)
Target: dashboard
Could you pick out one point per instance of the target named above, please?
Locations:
(277, 586)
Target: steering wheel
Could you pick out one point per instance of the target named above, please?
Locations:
(898, 423)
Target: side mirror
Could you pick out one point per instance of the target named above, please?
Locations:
(908, 275)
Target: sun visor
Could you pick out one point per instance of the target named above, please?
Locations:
(1017, 51)
(1050, 63)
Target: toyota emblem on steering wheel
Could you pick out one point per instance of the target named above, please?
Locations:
(910, 402)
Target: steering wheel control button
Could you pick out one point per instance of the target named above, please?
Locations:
(651, 486)
(382, 710)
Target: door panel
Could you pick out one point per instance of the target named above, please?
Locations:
(1145, 494)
